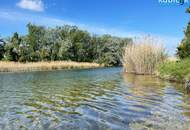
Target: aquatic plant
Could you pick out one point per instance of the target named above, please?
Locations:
(42, 66)
(143, 56)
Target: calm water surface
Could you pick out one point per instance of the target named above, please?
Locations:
(94, 99)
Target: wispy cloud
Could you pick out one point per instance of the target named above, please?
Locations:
(170, 42)
(35, 5)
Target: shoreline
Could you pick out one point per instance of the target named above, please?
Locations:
(169, 78)
(6, 67)
(185, 83)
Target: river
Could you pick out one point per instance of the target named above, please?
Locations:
(91, 99)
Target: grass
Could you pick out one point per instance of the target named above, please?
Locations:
(44, 66)
(143, 56)
(175, 70)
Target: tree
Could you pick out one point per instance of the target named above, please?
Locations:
(183, 50)
(36, 40)
(8, 55)
(11, 48)
(110, 50)
(24, 50)
(15, 41)
(188, 10)
(2, 50)
(63, 43)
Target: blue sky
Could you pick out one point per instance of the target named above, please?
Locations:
(125, 18)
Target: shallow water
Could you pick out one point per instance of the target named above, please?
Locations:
(91, 99)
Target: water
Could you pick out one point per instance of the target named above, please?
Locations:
(94, 99)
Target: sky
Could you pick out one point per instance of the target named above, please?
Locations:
(124, 18)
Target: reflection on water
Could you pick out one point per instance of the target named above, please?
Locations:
(96, 99)
(166, 103)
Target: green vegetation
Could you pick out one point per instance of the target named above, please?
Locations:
(175, 70)
(183, 50)
(179, 70)
(1, 49)
(67, 43)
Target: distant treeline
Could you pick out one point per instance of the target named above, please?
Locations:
(62, 43)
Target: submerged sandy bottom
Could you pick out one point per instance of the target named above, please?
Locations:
(91, 99)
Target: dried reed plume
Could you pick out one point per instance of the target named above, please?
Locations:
(43, 66)
(143, 55)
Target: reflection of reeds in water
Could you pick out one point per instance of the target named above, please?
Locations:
(143, 85)
(143, 56)
(160, 98)
(143, 80)
(42, 66)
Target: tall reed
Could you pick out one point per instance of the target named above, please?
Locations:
(143, 56)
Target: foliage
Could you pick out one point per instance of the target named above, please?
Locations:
(143, 56)
(64, 43)
(175, 70)
(183, 50)
(12, 48)
(1, 49)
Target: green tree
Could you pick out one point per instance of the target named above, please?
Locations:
(110, 50)
(63, 43)
(9, 52)
(12, 48)
(24, 50)
(2, 51)
(183, 50)
(36, 40)
(15, 41)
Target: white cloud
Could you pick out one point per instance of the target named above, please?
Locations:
(35, 5)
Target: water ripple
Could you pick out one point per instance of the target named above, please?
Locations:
(98, 99)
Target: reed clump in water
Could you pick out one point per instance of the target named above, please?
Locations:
(43, 66)
(143, 56)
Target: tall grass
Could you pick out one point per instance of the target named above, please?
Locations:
(43, 66)
(143, 56)
(175, 70)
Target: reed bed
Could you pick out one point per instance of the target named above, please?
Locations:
(44, 66)
(143, 56)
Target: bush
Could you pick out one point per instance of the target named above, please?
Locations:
(177, 71)
(143, 56)
(183, 50)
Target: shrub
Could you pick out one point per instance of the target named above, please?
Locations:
(177, 71)
(183, 50)
(143, 56)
